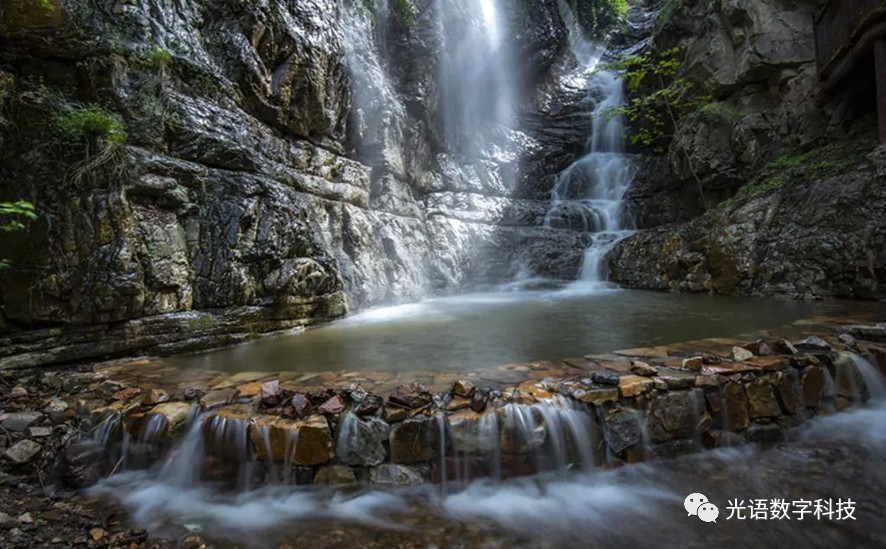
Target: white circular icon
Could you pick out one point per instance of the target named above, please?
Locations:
(693, 502)
(708, 512)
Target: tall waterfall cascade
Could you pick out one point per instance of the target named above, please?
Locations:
(478, 87)
(589, 195)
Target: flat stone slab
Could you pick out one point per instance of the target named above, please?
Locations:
(20, 421)
(23, 451)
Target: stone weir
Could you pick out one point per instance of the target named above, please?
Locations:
(246, 429)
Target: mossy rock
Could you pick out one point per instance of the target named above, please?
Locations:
(31, 14)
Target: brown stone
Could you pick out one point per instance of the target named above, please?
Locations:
(788, 391)
(332, 407)
(598, 396)
(478, 402)
(220, 397)
(761, 399)
(393, 414)
(813, 384)
(674, 415)
(736, 403)
(368, 406)
(413, 396)
(726, 368)
(156, 396)
(677, 379)
(252, 389)
(740, 354)
(410, 441)
(714, 399)
(271, 393)
(759, 348)
(770, 363)
(335, 474)
(176, 415)
(463, 388)
(849, 382)
(643, 369)
(126, 394)
(714, 380)
(301, 406)
(457, 403)
(631, 385)
(694, 363)
(274, 436)
(783, 347)
(533, 391)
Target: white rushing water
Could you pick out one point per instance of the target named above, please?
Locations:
(476, 73)
(588, 195)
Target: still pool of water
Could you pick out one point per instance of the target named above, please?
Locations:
(479, 330)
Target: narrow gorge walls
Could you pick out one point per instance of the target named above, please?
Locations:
(206, 171)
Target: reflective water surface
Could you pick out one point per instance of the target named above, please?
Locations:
(480, 330)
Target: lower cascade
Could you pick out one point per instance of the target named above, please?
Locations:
(533, 456)
(578, 425)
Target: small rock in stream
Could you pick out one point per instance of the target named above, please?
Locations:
(301, 406)
(271, 394)
(332, 407)
(643, 369)
(368, 406)
(740, 354)
(23, 451)
(20, 421)
(463, 388)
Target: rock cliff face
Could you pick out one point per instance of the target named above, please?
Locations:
(803, 222)
(282, 162)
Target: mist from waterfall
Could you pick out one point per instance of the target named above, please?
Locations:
(588, 195)
(477, 77)
(378, 113)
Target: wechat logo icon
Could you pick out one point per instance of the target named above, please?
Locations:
(698, 505)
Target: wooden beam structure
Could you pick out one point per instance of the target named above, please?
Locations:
(847, 32)
(880, 68)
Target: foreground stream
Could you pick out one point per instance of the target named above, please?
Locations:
(830, 458)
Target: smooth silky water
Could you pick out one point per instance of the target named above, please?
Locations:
(474, 331)
(633, 506)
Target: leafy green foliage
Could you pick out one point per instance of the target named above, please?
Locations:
(796, 166)
(158, 58)
(595, 16)
(405, 12)
(13, 216)
(91, 121)
(660, 97)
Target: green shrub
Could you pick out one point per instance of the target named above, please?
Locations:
(160, 58)
(404, 11)
(92, 121)
(13, 216)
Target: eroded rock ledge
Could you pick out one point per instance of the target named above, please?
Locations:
(596, 411)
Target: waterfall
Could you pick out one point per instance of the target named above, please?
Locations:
(874, 381)
(477, 83)
(378, 113)
(588, 195)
